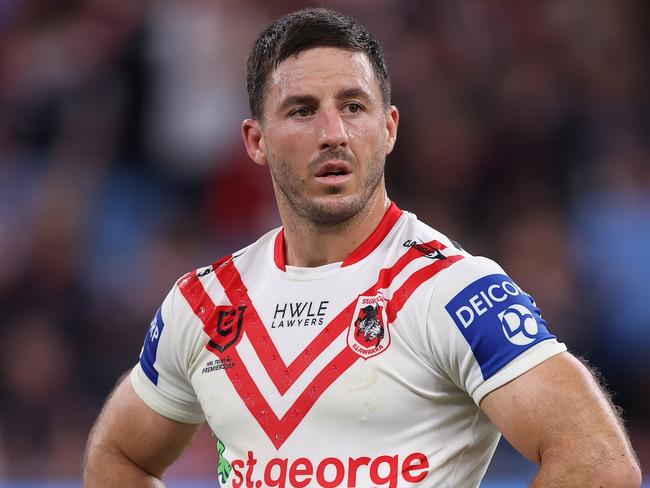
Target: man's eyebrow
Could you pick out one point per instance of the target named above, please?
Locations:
(354, 92)
(294, 100)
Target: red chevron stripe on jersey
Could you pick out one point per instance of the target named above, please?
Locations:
(283, 376)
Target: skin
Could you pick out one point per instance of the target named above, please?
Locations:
(557, 415)
(131, 445)
(323, 107)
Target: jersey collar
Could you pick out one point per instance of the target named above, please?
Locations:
(390, 218)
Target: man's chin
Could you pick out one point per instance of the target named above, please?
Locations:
(335, 190)
(333, 209)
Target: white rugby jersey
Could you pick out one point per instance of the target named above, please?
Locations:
(363, 373)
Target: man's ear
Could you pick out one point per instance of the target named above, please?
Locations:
(392, 120)
(254, 141)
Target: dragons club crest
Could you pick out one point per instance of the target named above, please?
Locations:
(368, 334)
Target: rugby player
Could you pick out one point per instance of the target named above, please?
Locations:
(355, 345)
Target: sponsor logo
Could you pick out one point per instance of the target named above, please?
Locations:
(330, 472)
(368, 334)
(227, 328)
(299, 314)
(217, 365)
(519, 324)
(204, 271)
(498, 319)
(426, 251)
(150, 347)
(486, 299)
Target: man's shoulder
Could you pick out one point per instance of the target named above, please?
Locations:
(255, 250)
(428, 240)
(416, 233)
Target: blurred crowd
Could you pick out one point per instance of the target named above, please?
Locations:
(524, 135)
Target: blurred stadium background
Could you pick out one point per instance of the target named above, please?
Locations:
(525, 135)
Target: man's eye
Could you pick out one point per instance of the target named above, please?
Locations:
(354, 108)
(302, 112)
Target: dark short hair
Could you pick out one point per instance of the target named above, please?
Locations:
(302, 30)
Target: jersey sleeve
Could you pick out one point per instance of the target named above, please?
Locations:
(484, 330)
(160, 378)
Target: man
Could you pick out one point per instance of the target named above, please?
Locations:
(355, 346)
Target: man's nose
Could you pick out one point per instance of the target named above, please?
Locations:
(333, 132)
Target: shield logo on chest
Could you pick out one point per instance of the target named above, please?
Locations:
(225, 328)
(369, 334)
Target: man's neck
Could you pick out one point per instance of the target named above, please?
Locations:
(308, 245)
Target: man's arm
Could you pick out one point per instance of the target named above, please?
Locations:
(557, 415)
(130, 444)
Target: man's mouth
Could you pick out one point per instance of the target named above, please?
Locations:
(333, 172)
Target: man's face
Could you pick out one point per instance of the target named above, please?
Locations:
(325, 134)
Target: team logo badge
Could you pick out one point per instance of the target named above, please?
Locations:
(368, 334)
(226, 329)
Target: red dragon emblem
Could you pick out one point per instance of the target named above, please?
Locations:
(368, 334)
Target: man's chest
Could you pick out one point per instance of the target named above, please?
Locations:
(279, 346)
(289, 353)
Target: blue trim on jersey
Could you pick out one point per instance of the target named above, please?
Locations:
(148, 355)
(499, 321)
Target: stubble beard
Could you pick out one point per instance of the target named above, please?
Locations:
(327, 211)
